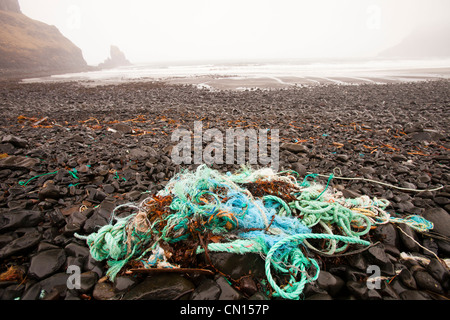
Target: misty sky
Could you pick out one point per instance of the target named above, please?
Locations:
(168, 30)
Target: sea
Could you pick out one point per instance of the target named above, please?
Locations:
(244, 75)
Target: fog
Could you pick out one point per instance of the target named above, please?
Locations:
(174, 30)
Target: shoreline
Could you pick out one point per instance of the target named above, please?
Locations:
(257, 81)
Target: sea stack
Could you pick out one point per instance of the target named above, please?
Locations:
(117, 59)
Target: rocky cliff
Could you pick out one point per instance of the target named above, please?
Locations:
(30, 47)
(10, 5)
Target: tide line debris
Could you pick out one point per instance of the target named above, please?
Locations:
(251, 211)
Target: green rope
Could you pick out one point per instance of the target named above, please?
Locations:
(416, 222)
(299, 262)
(72, 172)
(280, 201)
(326, 187)
(290, 262)
(41, 175)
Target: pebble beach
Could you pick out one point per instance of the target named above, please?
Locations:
(70, 153)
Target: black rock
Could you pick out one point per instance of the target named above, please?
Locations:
(388, 293)
(93, 265)
(393, 251)
(93, 223)
(407, 279)
(426, 282)
(77, 250)
(18, 162)
(330, 283)
(237, 265)
(75, 261)
(33, 292)
(441, 220)
(49, 192)
(108, 188)
(377, 256)
(312, 288)
(77, 218)
(124, 283)
(103, 291)
(5, 239)
(431, 245)
(439, 272)
(407, 237)
(20, 245)
(258, 296)
(161, 287)
(427, 135)
(295, 148)
(248, 286)
(123, 128)
(58, 280)
(46, 263)
(13, 292)
(414, 295)
(357, 261)
(299, 168)
(320, 296)
(56, 217)
(342, 158)
(87, 281)
(15, 141)
(358, 289)
(19, 219)
(227, 292)
(207, 290)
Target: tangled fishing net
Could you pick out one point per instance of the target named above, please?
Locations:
(251, 211)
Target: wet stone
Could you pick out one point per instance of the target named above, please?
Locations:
(227, 291)
(440, 219)
(87, 281)
(387, 233)
(207, 290)
(19, 219)
(258, 296)
(32, 292)
(439, 272)
(414, 295)
(49, 192)
(295, 148)
(46, 263)
(12, 292)
(103, 291)
(248, 286)
(161, 287)
(123, 283)
(406, 236)
(238, 265)
(58, 280)
(426, 282)
(358, 289)
(93, 265)
(320, 296)
(20, 245)
(407, 279)
(377, 255)
(77, 250)
(330, 283)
